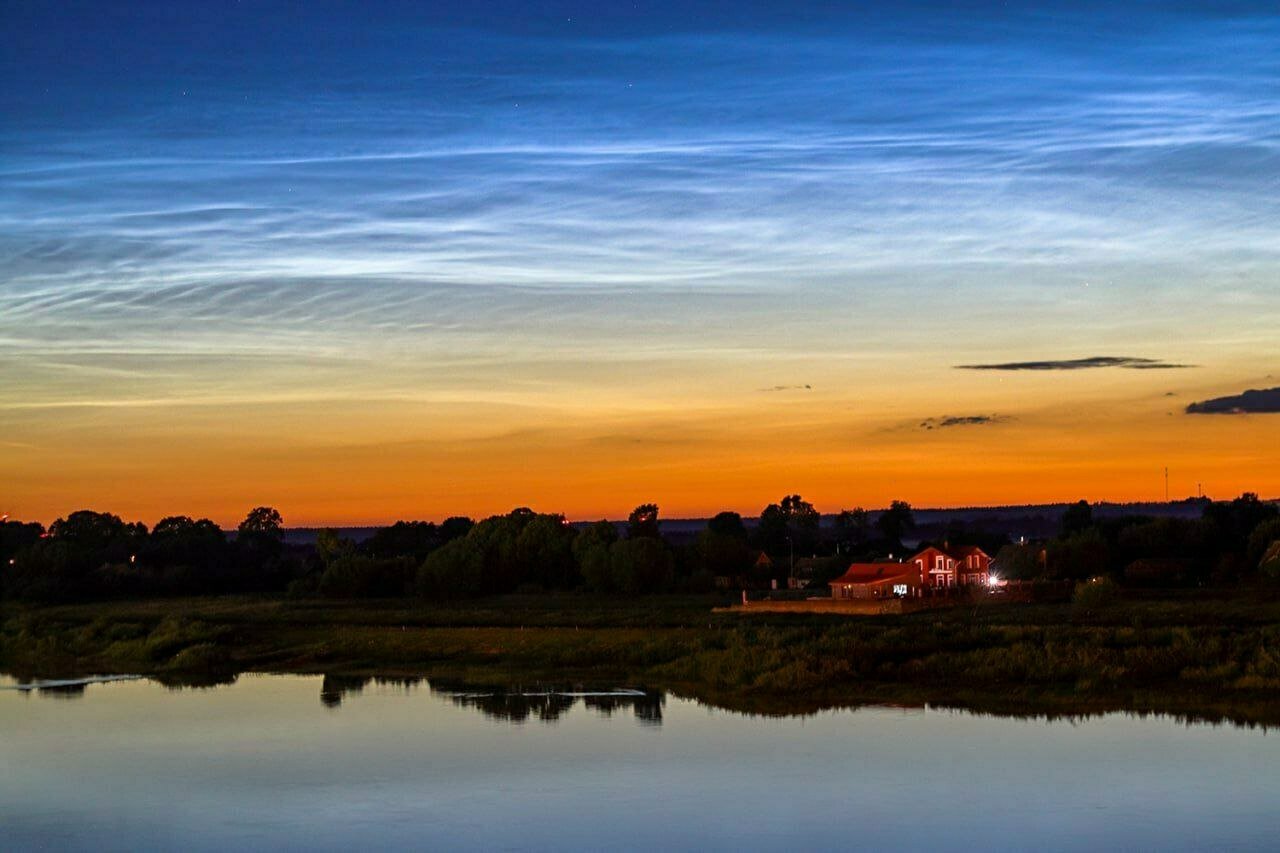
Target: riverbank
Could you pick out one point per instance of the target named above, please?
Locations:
(1203, 659)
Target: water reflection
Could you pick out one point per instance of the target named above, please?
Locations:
(60, 688)
(443, 763)
(549, 702)
(514, 704)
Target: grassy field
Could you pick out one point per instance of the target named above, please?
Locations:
(1203, 658)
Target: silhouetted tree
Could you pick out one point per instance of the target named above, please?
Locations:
(852, 528)
(99, 532)
(1077, 518)
(544, 548)
(190, 555)
(1081, 555)
(728, 524)
(1237, 520)
(895, 522)
(591, 551)
(787, 527)
(723, 553)
(1018, 562)
(643, 522)
(351, 575)
(331, 547)
(260, 543)
(500, 554)
(414, 539)
(1261, 541)
(641, 565)
(15, 536)
(455, 527)
(454, 570)
(263, 525)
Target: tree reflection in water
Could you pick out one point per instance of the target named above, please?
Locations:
(549, 701)
(517, 704)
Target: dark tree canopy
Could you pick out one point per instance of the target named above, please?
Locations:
(414, 539)
(98, 555)
(16, 535)
(724, 554)
(1082, 555)
(455, 527)
(853, 527)
(896, 521)
(544, 550)
(643, 522)
(1077, 518)
(179, 540)
(788, 527)
(728, 524)
(641, 565)
(591, 550)
(1237, 520)
(262, 522)
(94, 530)
(1018, 562)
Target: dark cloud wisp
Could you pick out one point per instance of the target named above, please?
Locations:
(1090, 363)
(964, 420)
(1253, 401)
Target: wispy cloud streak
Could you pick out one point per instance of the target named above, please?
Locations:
(1091, 363)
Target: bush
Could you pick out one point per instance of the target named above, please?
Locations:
(641, 565)
(455, 570)
(354, 576)
(1095, 593)
(203, 657)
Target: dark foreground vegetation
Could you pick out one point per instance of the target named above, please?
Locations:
(1201, 657)
(1174, 615)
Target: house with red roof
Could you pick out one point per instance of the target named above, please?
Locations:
(931, 569)
(954, 566)
(884, 579)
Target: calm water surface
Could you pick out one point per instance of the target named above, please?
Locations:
(300, 762)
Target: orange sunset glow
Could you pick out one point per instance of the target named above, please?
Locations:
(577, 269)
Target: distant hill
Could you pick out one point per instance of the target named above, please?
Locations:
(1034, 521)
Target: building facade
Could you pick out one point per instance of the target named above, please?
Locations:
(931, 569)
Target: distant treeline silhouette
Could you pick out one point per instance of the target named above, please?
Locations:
(98, 555)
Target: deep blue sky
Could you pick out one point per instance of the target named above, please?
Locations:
(558, 214)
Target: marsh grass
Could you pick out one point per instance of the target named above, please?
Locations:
(1150, 654)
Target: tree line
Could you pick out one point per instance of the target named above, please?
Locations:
(1231, 542)
(91, 554)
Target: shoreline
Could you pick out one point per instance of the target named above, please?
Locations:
(1205, 660)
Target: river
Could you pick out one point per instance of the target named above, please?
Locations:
(305, 762)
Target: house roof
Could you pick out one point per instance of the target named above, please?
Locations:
(860, 573)
(955, 552)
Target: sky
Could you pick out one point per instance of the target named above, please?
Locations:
(374, 261)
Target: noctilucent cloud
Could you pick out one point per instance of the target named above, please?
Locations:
(404, 260)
